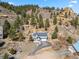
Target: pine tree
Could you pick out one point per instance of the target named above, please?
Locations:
(41, 23)
(58, 9)
(6, 28)
(12, 32)
(56, 29)
(54, 35)
(23, 14)
(53, 8)
(25, 21)
(18, 22)
(74, 22)
(33, 21)
(62, 9)
(47, 24)
(55, 20)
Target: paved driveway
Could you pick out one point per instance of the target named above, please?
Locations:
(42, 45)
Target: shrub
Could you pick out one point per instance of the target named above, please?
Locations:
(12, 51)
(70, 40)
(54, 35)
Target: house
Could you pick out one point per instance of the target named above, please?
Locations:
(75, 48)
(1, 32)
(39, 37)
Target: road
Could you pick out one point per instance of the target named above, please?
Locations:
(42, 45)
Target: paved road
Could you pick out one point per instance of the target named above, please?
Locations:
(42, 45)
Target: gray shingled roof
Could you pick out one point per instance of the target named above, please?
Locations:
(40, 35)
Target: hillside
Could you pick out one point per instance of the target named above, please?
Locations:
(38, 19)
(6, 14)
(19, 22)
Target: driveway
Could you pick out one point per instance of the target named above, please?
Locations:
(42, 45)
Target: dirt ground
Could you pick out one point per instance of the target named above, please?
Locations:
(46, 53)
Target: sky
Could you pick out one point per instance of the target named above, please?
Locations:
(50, 3)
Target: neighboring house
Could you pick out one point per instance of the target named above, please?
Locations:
(1, 32)
(39, 37)
(75, 48)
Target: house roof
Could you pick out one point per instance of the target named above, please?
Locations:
(39, 35)
(76, 46)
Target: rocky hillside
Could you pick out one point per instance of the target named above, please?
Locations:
(59, 23)
(6, 14)
(37, 18)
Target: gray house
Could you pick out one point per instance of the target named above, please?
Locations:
(39, 37)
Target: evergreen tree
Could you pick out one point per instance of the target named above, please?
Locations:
(55, 20)
(41, 23)
(58, 9)
(6, 28)
(37, 19)
(54, 35)
(12, 32)
(23, 14)
(25, 21)
(53, 8)
(74, 22)
(15, 36)
(18, 22)
(51, 15)
(47, 24)
(56, 29)
(69, 13)
(62, 9)
(33, 21)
